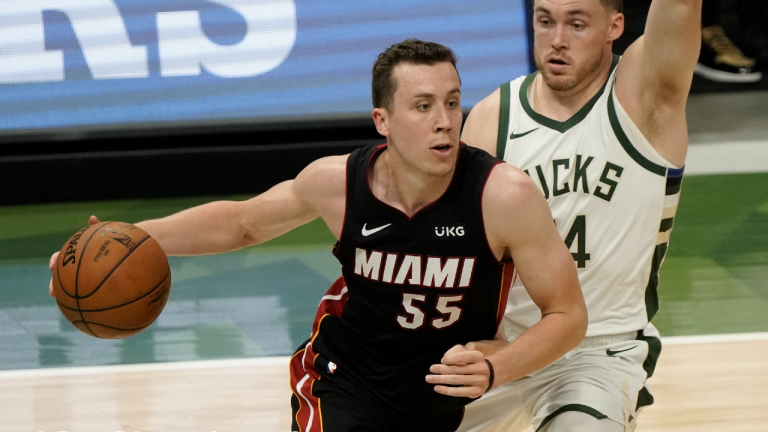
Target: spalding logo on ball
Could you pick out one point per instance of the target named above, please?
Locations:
(111, 280)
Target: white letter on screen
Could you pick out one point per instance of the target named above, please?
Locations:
(23, 57)
(102, 34)
(99, 29)
(185, 49)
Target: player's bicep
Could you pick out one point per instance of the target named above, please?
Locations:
(526, 229)
(665, 56)
(275, 212)
(548, 272)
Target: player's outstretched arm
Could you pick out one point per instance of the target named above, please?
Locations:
(519, 222)
(655, 75)
(224, 226)
(482, 125)
(520, 227)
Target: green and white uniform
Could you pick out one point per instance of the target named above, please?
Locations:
(613, 198)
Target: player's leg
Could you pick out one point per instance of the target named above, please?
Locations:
(506, 408)
(574, 421)
(324, 401)
(599, 382)
(332, 410)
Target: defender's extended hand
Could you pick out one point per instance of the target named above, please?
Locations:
(52, 263)
(464, 370)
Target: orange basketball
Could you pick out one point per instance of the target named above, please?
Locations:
(111, 280)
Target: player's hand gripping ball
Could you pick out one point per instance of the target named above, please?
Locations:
(111, 280)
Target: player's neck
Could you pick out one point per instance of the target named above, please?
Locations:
(562, 105)
(403, 186)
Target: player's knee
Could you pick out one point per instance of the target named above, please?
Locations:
(574, 421)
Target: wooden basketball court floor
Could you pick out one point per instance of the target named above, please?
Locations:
(703, 383)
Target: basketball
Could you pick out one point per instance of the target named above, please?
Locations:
(111, 280)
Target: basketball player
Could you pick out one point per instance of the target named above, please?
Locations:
(431, 234)
(604, 139)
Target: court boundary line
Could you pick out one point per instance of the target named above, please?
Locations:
(284, 360)
(714, 338)
(144, 367)
(726, 157)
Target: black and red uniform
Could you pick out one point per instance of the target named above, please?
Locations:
(412, 288)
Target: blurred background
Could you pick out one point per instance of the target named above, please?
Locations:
(135, 109)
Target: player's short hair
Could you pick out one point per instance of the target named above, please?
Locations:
(613, 5)
(384, 84)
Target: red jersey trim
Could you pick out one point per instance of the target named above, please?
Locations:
(508, 278)
(337, 246)
(302, 365)
(308, 416)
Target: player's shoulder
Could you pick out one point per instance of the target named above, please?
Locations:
(329, 165)
(479, 128)
(508, 188)
(489, 106)
(323, 176)
(511, 202)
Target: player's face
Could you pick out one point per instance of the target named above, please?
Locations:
(571, 40)
(424, 124)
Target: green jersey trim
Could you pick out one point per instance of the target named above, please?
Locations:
(627, 144)
(644, 397)
(571, 407)
(501, 140)
(561, 127)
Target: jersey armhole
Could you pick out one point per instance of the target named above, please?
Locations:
(348, 200)
(501, 139)
(631, 138)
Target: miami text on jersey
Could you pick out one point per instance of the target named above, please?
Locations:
(438, 272)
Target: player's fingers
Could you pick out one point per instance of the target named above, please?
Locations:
(455, 349)
(52, 261)
(93, 220)
(461, 369)
(463, 357)
(460, 380)
(51, 265)
(470, 392)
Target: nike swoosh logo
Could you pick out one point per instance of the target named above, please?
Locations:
(613, 353)
(367, 232)
(516, 136)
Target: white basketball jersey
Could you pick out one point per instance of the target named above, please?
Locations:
(613, 198)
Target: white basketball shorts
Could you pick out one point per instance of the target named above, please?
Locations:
(604, 377)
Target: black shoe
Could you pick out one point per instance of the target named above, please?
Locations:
(722, 61)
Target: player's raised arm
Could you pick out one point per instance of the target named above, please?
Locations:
(476, 131)
(223, 226)
(519, 224)
(655, 74)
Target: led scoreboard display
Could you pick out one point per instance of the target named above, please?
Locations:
(115, 64)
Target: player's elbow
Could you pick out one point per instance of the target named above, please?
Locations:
(579, 320)
(245, 232)
(575, 314)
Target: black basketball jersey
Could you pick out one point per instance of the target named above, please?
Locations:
(415, 286)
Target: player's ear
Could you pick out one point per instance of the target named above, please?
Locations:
(616, 26)
(381, 119)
